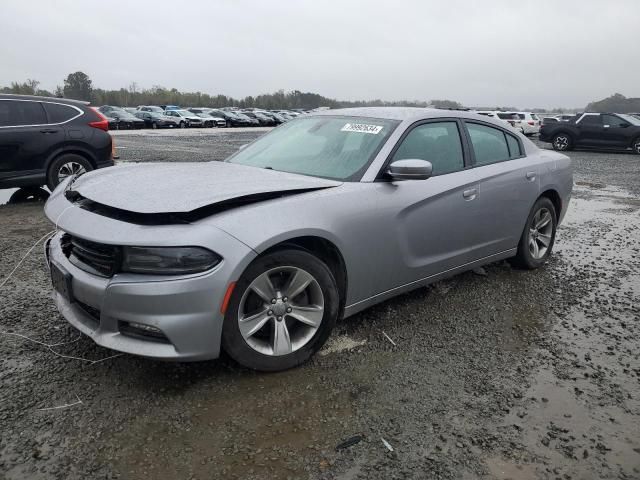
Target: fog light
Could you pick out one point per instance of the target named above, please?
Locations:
(141, 330)
(146, 328)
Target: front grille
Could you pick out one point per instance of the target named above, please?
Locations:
(97, 258)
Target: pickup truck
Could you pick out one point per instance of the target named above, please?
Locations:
(594, 130)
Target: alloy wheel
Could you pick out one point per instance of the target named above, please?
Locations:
(636, 147)
(70, 168)
(540, 233)
(561, 142)
(281, 310)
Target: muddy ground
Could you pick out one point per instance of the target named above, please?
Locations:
(514, 374)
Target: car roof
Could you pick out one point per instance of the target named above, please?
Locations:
(14, 96)
(407, 114)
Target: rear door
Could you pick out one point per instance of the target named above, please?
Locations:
(591, 131)
(430, 221)
(25, 138)
(508, 188)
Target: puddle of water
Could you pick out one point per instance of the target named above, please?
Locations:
(580, 414)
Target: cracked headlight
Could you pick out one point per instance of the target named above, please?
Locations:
(168, 260)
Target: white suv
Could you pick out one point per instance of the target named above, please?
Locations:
(510, 118)
(530, 122)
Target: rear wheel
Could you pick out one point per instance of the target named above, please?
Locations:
(562, 142)
(538, 236)
(281, 312)
(636, 146)
(64, 166)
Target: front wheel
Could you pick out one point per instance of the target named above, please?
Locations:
(538, 236)
(561, 142)
(182, 125)
(281, 312)
(636, 146)
(154, 125)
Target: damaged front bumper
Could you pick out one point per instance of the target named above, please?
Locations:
(158, 316)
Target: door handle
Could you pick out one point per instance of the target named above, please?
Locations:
(531, 176)
(49, 130)
(470, 194)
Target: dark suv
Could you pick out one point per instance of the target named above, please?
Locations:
(44, 140)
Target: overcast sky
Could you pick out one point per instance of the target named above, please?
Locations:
(542, 53)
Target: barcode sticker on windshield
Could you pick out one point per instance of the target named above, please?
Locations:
(361, 128)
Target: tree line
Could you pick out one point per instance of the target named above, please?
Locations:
(79, 86)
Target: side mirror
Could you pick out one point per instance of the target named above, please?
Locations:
(410, 169)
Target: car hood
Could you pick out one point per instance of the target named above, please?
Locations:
(179, 188)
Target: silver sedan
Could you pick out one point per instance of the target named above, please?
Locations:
(321, 218)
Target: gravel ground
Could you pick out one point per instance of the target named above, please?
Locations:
(511, 374)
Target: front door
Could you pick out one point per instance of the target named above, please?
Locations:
(432, 220)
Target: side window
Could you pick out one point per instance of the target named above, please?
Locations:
(514, 146)
(59, 113)
(438, 143)
(489, 144)
(16, 113)
(591, 120)
(613, 120)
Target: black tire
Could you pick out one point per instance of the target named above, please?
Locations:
(182, 125)
(525, 257)
(636, 146)
(154, 125)
(562, 142)
(56, 165)
(228, 124)
(237, 347)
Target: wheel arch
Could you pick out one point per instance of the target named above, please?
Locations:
(555, 198)
(325, 250)
(566, 132)
(71, 149)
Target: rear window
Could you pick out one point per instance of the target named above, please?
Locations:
(534, 116)
(59, 113)
(20, 112)
(591, 120)
(521, 115)
(506, 116)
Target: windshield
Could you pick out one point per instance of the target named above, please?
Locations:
(339, 148)
(630, 118)
(183, 113)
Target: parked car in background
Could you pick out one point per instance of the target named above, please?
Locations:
(232, 118)
(172, 270)
(170, 107)
(509, 118)
(185, 118)
(124, 120)
(210, 120)
(272, 115)
(530, 122)
(44, 140)
(131, 110)
(595, 131)
(252, 121)
(157, 120)
(263, 120)
(548, 120)
(151, 108)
